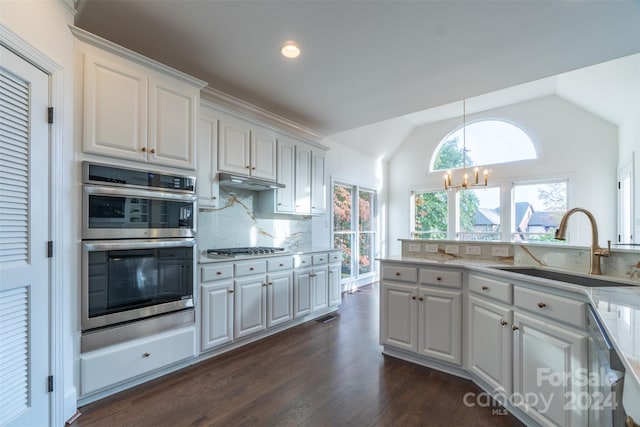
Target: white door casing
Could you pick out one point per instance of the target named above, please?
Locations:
(24, 232)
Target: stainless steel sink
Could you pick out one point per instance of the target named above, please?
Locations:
(575, 279)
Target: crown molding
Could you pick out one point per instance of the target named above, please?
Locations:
(245, 110)
(106, 45)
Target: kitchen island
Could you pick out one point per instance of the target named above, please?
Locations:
(524, 340)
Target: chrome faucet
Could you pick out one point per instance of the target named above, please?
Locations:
(596, 251)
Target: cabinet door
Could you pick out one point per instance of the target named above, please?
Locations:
(173, 116)
(490, 343)
(263, 154)
(286, 167)
(115, 108)
(399, 316)
(301, 292)
(303, 180)
(440, 324)
(216, 307)
(320, 285)
(335, 292)
(208, 190)
(279, 298)
(233, 146)
(318, 188)
(250, 306)
(548, 363)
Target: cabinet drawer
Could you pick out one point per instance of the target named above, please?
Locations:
(335, 257)
(209, 273)
(111, 365)
(449, 279)
(400, 274)
(251, 267)
(500, 291)
(278, 264)
(302, 261)
(560, 308)
(318, 259)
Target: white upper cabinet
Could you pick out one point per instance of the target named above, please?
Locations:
(318, 184)
(246, 149)
(208, 187)
(286, 169)
(303, 180)
(135, 108)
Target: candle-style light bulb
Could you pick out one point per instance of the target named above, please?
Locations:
(464, 181)
(486, 177)
(475, 175)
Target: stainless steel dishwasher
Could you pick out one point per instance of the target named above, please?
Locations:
(606, 377)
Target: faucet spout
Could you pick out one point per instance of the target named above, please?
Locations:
(596, 251)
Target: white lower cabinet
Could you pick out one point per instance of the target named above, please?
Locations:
(302, 292)
(279, 298)
(217, 303)
(422, 319)
(490, 343)
(440, 324)
(398, 316)
(250, 306)
(122, 362)
(320, 286)
(547, 363)
(335, 291)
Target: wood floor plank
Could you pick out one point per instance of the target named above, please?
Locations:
(315, 374)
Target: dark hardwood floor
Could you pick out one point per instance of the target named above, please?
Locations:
(315, 374)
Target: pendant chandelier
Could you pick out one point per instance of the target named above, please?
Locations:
(465, 177)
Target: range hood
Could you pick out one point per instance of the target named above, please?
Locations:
(247, 182)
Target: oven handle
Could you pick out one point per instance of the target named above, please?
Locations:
(142, 194)
(103, 245)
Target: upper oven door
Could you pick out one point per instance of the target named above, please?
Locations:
(127, 213)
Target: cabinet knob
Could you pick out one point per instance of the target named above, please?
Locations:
(264, 284)
(413, 297)
(269, 283)
(248, 167)
(231, 291)
(397, 274)
(438, 278)
(485, 288)
(421, 299)
(279, 204)
(542, 305)
(503, 322)
(251, 268)
(514, 328)
(153, 150)
(144, 149)
(281, 265)
(146, 355)
(253, 168)
(218, 273)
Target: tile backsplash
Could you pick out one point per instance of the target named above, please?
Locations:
(238, 222)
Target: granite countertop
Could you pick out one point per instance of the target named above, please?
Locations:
(618, 309)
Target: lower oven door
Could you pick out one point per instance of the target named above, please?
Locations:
(126, 280)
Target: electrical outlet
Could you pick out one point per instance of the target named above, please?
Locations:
(414, 247)
(474, 250)
(431, 247)
(451, 249)
(500, 251)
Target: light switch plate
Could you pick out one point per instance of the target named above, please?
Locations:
(414, 247)
(431, 247)
(474, 250)
(451, 249)
(500, 251)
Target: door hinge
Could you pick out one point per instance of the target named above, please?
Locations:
(50, 249)
(50, 383)
(50, 115)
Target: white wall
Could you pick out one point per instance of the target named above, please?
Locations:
(571, 143)
(354, 167)
(43, 24)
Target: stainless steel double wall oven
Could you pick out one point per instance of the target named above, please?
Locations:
(138, 247)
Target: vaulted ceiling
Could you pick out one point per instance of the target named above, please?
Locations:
(366, 62)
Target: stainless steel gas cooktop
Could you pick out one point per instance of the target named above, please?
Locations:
(245, 251)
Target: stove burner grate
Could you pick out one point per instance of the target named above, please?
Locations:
(252, 250)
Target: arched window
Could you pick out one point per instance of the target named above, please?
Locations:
(487, 142)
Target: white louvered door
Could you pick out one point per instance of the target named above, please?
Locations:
(24, 231)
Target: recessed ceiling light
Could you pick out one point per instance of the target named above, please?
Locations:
(290, 50)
